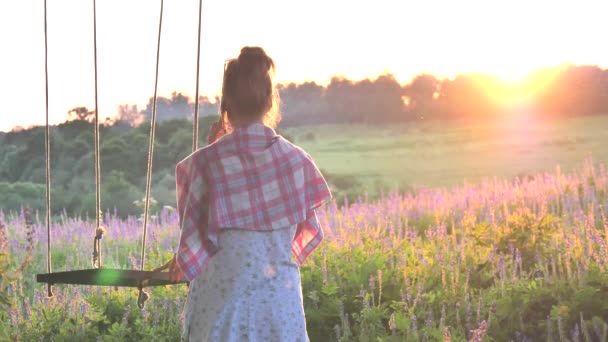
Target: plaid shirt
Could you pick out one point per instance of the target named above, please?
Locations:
(249, 179)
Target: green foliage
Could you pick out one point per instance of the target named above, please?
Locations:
(5, 280)
(14, 196)
(124, 159)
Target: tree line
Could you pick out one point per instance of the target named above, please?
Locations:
(561, 91)
(555, 92)
(570, 91)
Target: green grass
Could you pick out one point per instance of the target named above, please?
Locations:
(444, 154)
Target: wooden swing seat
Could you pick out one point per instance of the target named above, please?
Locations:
(108, 277)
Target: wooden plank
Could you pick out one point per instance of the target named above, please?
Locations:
(108, 277)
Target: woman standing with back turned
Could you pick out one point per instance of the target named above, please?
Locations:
(246, 203)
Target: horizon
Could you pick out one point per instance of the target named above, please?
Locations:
(506, 91)
(356, 40)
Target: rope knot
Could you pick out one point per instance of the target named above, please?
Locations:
(97, 246)
(99, 232)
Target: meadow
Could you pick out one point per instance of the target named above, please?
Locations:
(517, 252)
(368, 158)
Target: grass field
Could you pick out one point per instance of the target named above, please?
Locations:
(444, 154)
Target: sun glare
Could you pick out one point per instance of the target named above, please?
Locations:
(514, 74)
(514, 93)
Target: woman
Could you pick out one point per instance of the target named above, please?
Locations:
(246, 203)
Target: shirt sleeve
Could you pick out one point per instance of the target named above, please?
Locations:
(307, 238)
(309, 233)
(181, 189)
(196, 245)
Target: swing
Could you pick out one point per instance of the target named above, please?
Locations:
(99, 275)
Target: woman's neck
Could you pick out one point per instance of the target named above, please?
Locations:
(236, 123)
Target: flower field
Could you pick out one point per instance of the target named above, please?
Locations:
(502, 260)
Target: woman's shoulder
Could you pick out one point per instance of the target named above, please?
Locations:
(289, 146)
(197, 158)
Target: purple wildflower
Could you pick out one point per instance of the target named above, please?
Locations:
(576, 334)
(414, 321)
(429, 319)
(478, 334)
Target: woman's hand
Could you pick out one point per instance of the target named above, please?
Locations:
(216, 131)
(175, 272)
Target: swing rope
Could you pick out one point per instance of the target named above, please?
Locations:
(198, 62)
(98, 217)
(99, 229)
(47, 153)
(143, 296)
(151, 145)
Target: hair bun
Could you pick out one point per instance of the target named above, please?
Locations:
(253, 50)
(252, 56)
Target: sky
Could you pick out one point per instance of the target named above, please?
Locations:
(309, 40)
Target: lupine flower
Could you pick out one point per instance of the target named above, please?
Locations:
(324, 266)
(447, 337)
(392, 324)
(337, 331)
(155, 318)
(83, 308)
(14, 316)
(518, 261)
(576, 334)
(27, 310)
(478, 334)
(379, 287)
(584, 329)
(479, 304)
(346, 326)
(133, 262)
(492, 311)
(408, 291)
(414, 321)
(418, 295)
(3, 235)
(502, 272)
(601, 331)
(429, 319)
(442, 318)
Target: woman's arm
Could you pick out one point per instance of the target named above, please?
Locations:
(175, 273)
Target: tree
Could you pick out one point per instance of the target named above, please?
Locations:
(422, 94)
(366, 101)
(118, 194)
(575, 90)
(206, 107)
(176, 107)
(305, 104)
(130, 115)
(81, 113)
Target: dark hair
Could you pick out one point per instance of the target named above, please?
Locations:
(248, 90)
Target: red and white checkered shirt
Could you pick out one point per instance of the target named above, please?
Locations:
(249, 179)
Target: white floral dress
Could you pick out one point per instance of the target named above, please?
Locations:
(249, 291)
